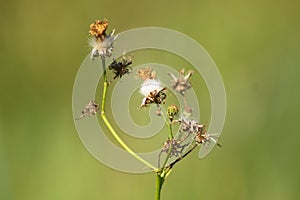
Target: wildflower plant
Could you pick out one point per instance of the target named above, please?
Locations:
(101, 42)
(176, 147)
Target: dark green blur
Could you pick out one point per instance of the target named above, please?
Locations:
(256, 46)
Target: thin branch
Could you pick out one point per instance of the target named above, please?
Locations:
(180, 158)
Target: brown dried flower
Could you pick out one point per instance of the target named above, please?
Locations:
(90, 109)
(146, 74)
(101, 43)
(181, 83)
(98, 29)
(153, 93)
(203, 137)
(121, 68)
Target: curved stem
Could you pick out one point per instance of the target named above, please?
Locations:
(122, 143)
(111, 129)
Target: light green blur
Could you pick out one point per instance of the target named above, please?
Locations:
(255, 44)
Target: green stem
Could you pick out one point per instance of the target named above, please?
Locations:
(171, 147)
(159, 182)
(105, 86)
(111, 129)
(167, 158)
(104, 97)
(170, 130)
(169, 124)
(122, 143)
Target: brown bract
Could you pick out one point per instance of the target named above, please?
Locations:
(98, 29)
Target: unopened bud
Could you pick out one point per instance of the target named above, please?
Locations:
(172, 111)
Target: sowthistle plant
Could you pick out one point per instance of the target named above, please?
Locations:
(191, 133)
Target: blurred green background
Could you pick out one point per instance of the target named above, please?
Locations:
(256, 47)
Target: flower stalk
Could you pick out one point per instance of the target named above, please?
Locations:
(108, 125)
(159, 182)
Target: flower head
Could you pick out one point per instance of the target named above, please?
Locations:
(98, 29)
(181, 83)
(120, 68)
(101, 42)
(153, 92)
(198, 131)
(146, 74)
(203, 137)
(90, 109)
(189, 126)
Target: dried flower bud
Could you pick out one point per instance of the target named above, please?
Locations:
(98, 29)
(187, 112)
(158, 112)
(189, 126)
(202, 137)
(146, 74)
(181, 83)
(120, 68)
(90, 109)
(101, 42)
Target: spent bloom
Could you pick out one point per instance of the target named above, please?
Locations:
(120, 68)
(199, 132)
(189, 126)
(90, 109)
(98, 29)
(101, 42)
(153, 92)
(181, 83)
(203, 137)
(146, 73)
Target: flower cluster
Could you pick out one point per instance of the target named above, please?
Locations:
(101, 42)
(191, 133)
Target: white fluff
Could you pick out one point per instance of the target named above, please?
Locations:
(149, 86)
(103, 48)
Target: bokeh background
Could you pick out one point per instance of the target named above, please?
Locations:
(256, 47)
